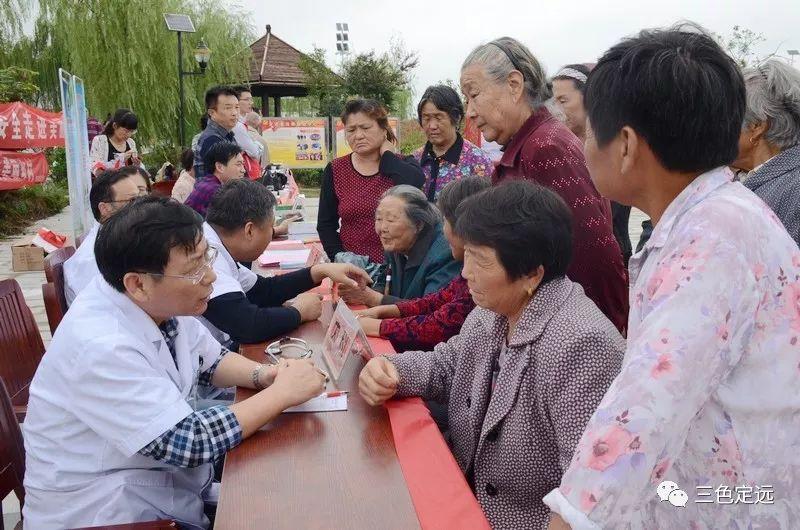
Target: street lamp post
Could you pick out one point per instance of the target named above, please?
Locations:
(202, 54)
(792, 55)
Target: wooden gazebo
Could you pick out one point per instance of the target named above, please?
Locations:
(275, 71)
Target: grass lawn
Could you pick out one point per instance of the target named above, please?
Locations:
(310, 192)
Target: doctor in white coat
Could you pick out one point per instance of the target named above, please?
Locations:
(110, 191)
(110, 434)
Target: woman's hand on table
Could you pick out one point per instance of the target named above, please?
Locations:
(309, 305)
(360, 295)
(297, 381)
(378, 381)
(371, 326)
(345, 274)
(381, 311)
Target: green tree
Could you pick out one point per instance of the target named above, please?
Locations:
(740, 44)
(16, 84)
(127, 57)
(385, 77)
(325, 88)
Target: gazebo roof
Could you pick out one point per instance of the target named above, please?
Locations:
(275, 67)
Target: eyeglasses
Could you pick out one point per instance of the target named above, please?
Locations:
(197, 276)
(128, 201)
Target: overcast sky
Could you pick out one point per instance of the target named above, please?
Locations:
(561, 32)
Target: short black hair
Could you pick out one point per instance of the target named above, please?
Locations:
(139, 237)
(582, 68)
(238, 202)
(122, 118)
(137, 170)
(676, 88)
(445, 99)
(221, 152)
(187, 159)
(526, 224)
(101, 188)
(213, 93)
(239, 89)
(456, 192)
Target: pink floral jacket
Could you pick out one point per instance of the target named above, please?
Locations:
(709, 393)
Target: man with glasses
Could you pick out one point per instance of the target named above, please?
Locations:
(243, 138)
(111, 191)
(111, 435)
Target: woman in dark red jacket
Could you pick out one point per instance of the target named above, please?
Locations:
(506, 90)
(352, 185)
(422, 323)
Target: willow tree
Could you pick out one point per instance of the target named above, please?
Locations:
(127, 57)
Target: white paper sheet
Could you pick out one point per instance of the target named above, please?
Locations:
(321, 403)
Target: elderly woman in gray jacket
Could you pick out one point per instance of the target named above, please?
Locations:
(769, 146)
(531, 363)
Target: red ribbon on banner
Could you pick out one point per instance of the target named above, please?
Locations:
(440, 493)
(23, 127)
(18, 170)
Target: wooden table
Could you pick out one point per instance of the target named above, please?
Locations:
(332, 470)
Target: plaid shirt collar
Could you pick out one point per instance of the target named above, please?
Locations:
(169, 329)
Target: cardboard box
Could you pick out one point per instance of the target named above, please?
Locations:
(25, 256)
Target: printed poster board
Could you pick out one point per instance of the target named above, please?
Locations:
(296, 142)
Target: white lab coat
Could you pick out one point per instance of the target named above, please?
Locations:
(231, 278)
(81, 268)
(106, 388)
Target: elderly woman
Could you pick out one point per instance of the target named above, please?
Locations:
(506, 88)
(446, 156)
(707, 399)
(416, 251)
(530, 365)
(422, 323)
(568, 85)
(769, 146)
(353, 184)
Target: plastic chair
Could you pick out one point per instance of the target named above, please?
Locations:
(55, 302)
(21, 346)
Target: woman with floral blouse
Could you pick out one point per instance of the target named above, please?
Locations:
(701, 429)
(446, 156)
(422, 323)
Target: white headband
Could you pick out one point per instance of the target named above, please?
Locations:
(573, 74)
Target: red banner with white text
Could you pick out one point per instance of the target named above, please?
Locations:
(18, 170)
(23, 127)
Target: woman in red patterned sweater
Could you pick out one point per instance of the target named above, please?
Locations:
(422, 323)
(352, 185)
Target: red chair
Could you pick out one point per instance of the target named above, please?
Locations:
(12, 467)
(55, 302)
(163, 188)
(21, 346)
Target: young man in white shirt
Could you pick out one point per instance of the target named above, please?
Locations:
(111, 191)
(111, 435)
(243, 138)
(245, 307)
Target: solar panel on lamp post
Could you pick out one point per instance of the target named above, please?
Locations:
(202, 55)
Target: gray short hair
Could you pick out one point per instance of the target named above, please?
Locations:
(252, 119)
(773, 97)
(420, 212)
(499, 58)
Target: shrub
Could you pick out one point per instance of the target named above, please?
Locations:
(20, 208)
